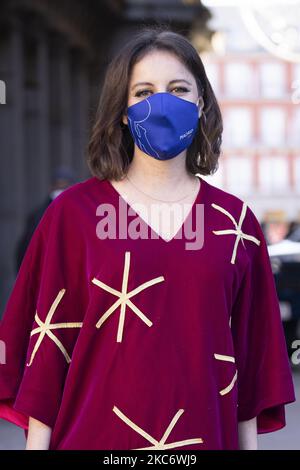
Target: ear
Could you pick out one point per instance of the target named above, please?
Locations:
(200, 104)
(125, 119)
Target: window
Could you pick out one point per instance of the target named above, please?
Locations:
(273, 126)
(239, 174)
(239, 80)
(217, 179)
(213, 76)
(296, 71)
(272, 80)
(273, 175)
(297, 174)
(238, 127)
(295, 85)
(295, 127)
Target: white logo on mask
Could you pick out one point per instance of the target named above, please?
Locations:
(183, 136)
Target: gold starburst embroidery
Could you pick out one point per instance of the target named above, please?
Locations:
(124, 298)
(240, 235)
(44, 329)
(161, 444)
(222, 357)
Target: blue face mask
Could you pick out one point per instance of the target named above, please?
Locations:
(163, 125)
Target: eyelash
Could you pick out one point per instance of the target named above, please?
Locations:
(139, 93)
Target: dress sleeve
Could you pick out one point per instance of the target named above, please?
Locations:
(264, 374)
(41, 322)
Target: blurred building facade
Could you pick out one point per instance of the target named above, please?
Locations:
(259, 97)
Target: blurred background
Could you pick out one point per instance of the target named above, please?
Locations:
(53, 55)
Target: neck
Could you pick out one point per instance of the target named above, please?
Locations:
(160, 176)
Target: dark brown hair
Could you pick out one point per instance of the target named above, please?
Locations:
(111, 146)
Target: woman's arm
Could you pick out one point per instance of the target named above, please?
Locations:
(38, 435)
(248, 434)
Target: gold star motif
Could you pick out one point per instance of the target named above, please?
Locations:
(158, 445)
(45, 328)
(221, 357)
(238, 230)
(124, 298)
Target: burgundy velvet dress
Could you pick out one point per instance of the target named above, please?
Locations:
(135, 342)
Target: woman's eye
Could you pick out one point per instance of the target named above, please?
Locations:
(180, 89)
(142, 93)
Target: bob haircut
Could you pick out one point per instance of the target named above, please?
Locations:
(111, 146)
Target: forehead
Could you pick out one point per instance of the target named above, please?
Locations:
(157, 66)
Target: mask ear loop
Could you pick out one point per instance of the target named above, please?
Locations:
(202, 159)
(200, 111)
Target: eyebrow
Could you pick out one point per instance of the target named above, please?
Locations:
(170, 83)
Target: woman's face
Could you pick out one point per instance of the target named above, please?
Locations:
(161, 71)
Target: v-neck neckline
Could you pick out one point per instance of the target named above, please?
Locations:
(199, 197)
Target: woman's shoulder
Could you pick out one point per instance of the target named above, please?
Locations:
(70, 207)
(79, 197)
(76, 191)
(219, 194)
(234, 209)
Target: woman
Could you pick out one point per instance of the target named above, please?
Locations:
(140, 334)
